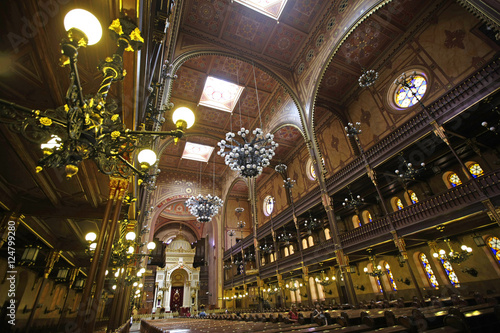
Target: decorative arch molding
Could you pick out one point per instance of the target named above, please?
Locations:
(285, 124)
(183, 267)
(163, 224)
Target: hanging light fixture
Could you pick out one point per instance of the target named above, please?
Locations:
(285, 237)
(89, 127)
(311, 223)
(411, 172)
(29, 255)
(353, 202)
(251, 154)
(324, 279)
(377, 270)
(368, 78)
(455, 257)
(204, 208)
(266, 248)
(294, 285)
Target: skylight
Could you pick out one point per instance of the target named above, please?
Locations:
(271, 8)
(220, 94)
(197, 152)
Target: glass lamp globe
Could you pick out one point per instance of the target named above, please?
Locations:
(86, 22)
(183, 117)
(90, 237)
(142, 270)
(53, 143)
(135, 284)
(93, 246)
(151, 246)
(114, 287)
(130, 236)
(140, 285)
(137, 291)
(131, 249)
(365, 269)
(146, 158)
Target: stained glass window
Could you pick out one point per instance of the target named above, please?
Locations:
(428, 271)
(413, 197)
(494, 245)
(454, 179)
(356, 221)
(405, 97)
(450, 272)
(370, 217)
(311, 170)
(379, 285)
(390, 276)
(399, 204)
(268, 205)
(476, 170)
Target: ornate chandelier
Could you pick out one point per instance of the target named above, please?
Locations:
(285, 237)
(89, 127)
(455, 257)
(411, 172)
(294, 285)
(323, 279)
(368, 78)
(248, 157)
(204, 208)
(353, 202)
(377, 270)
(266, 248)
(311, 224)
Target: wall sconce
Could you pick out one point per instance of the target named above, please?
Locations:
(79, 284)
(471, 271)
(62, 274)
(405, 281)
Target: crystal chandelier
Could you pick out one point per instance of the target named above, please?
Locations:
(368, 78)
(204, 208)
(455, 257)
(250, 156)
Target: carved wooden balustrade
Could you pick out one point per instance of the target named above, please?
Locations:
(454, 203)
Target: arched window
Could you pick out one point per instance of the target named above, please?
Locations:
(312, 285)
(390, 277)
(413, 197)
(271, 257)
(310, 240)
(367, 217)
(399, 204)
(291, 249)
(476, 170)
(450, 273)
(311, 174)
(263, 261)
(286, 252)
(327, 234)
(304, 244)
(396, 204)
(428, 270)
(356, 222)
(454, 179)
(405, 98)
(494, 245)
(268, 205)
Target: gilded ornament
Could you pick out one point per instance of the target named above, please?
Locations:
(129, 48)
(38, 169)
(45, 121)
(115, 135)
(135, 35)
(114, 117)
(66, 107)
(116, 27)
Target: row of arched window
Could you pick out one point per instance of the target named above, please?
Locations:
(492, 242)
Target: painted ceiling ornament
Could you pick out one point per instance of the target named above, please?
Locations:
(368, 78)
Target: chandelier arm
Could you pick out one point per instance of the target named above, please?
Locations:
(178, 133)
(131, 166)
(75, 88)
